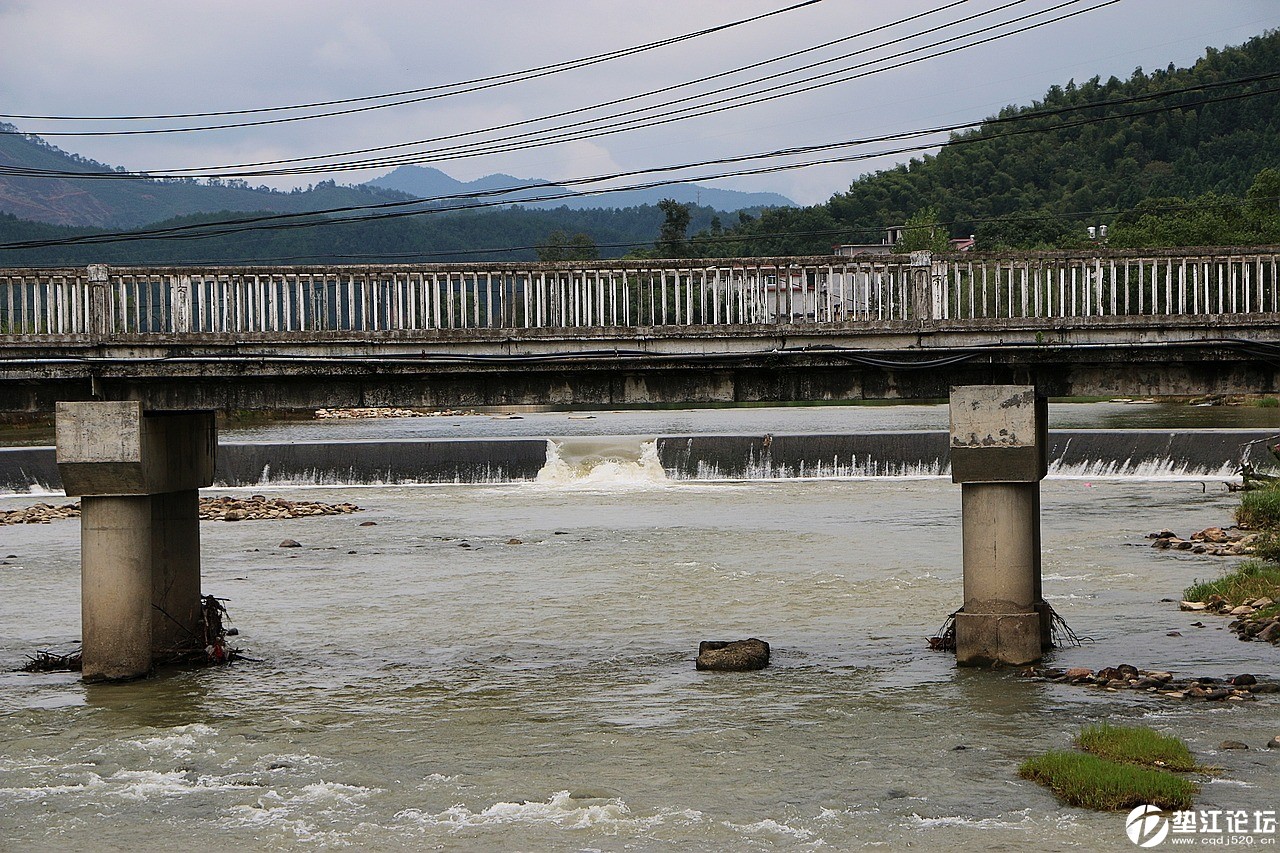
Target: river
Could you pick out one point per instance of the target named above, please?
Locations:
(423, 684)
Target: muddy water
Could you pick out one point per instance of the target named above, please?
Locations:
(419, 694)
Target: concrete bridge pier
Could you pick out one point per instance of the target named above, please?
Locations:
(139, 475)
(999, 439)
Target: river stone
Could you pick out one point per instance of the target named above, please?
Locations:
(1274, 743)
(1233, 744)
(732, 655)
(1271, 633)
(1244, 680)
(1193, 605)
(1079, 672)
(290, 543)
(1211, 534)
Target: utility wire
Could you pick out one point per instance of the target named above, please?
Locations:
(462, 87)
(635, 119)
(281, 221)
(310, 220)
(1144, 208)
(223, 169)
(117, 176)
(541, 139)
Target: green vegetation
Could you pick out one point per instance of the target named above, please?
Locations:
(1136, 745)
(671, 241)
(1081, 779)
(1260, 509)
(1267, 547)
(921, 233)
(1252, 579)
(1187, 171)
(440, 237)
(1267, 403)
(559, 246)
(1195, 168)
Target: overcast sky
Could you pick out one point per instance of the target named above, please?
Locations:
(88, 57)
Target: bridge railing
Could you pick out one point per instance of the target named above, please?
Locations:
(100, 302)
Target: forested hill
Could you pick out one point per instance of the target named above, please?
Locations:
(114, 203)
(1037, 179)
(454, 236)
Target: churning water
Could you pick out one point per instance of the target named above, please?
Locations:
(510, 667)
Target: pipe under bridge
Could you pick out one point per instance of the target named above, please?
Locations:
(1183, 322)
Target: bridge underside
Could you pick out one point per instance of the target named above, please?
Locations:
(687, 365)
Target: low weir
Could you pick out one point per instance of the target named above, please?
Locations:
(1090, 453)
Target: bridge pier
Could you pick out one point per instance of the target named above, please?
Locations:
(138, 474)
(999, 438)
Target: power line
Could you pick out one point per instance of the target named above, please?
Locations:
(275, 222)
(476, 84)
(222, 169)
(502, 146)
(541, 139)
(1143, 207)
(922, 132)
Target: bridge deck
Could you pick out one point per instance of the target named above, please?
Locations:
(616, 332)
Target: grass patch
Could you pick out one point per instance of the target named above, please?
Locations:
(1137, 745)
(1260, 509)
(1085, 780)
(1251, 579)
(1267, 403)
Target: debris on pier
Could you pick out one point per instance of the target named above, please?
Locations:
(48, 661)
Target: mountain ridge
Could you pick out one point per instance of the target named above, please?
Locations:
(429, 182)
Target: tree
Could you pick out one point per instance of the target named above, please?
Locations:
(672, 242)
(559, 246)
(923, 233)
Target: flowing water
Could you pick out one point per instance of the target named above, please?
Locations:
(428, 683)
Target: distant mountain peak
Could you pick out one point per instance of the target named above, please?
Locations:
(429, 182)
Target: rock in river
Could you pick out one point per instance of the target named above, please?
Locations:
(733, 656)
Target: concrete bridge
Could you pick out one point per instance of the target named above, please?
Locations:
(620, 332)
(134, 359)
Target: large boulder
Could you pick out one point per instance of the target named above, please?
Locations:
(733, 655)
